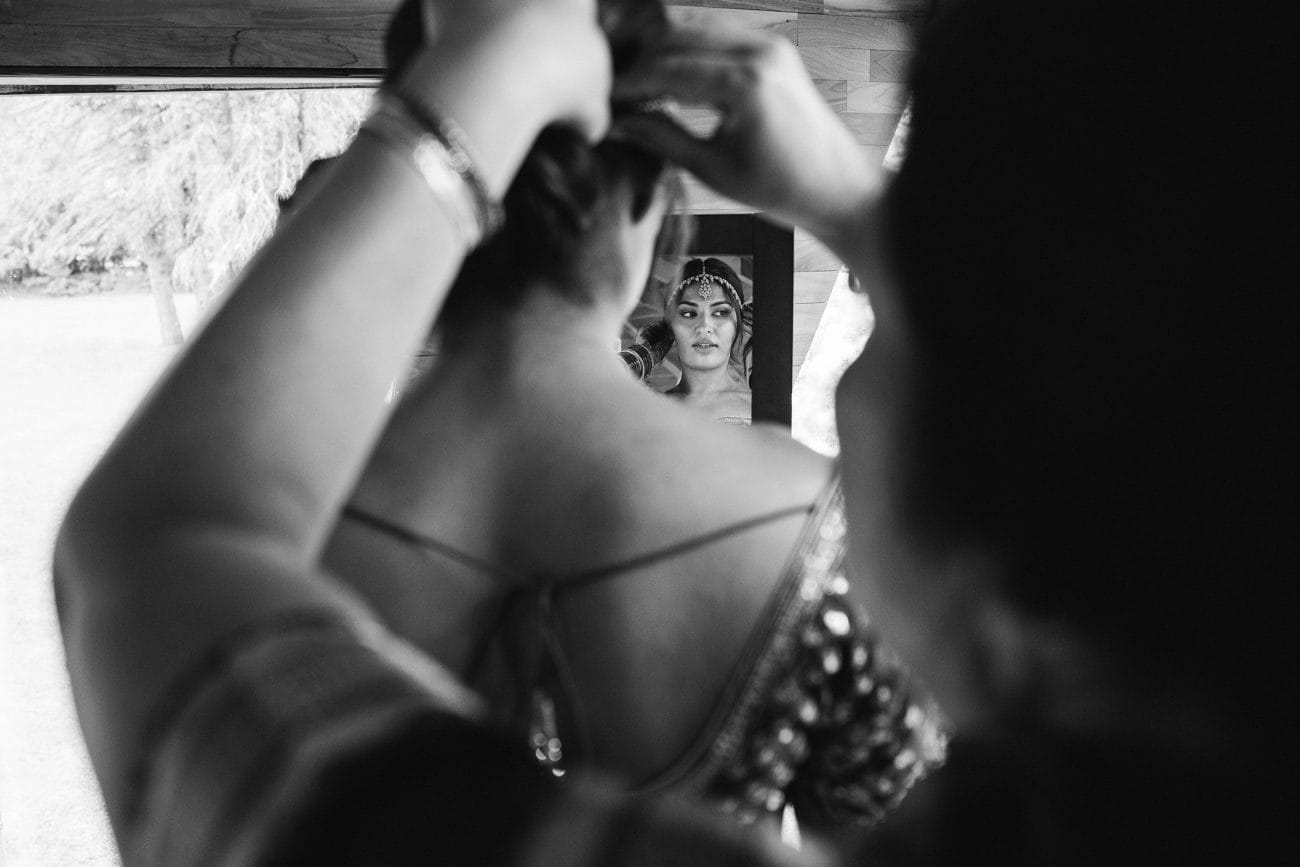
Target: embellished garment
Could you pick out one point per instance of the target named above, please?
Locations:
(817, 713)
(313, 738)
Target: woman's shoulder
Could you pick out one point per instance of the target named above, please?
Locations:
(650, 477)
(748, 467)
(791, 462)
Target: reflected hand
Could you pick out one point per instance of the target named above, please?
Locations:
(779, 147)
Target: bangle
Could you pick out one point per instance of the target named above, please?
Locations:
(393, 125)
(453, 138)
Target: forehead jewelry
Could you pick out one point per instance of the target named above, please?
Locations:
(704, 283)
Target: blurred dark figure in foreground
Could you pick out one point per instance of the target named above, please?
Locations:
(1066, 443)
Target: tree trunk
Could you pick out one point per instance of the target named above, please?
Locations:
(302, 125)
(159, 265)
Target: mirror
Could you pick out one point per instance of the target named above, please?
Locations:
(750, 378)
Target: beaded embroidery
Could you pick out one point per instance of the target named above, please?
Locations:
(819, 714)
(841, 734)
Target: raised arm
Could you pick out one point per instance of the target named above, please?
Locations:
(779, 147)
(208, 511)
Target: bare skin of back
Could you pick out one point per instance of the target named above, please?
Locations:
(548, 476)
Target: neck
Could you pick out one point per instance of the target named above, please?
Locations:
(544, 345)
(703, 383)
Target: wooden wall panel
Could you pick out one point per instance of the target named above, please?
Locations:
(278, 49)
(806, 319)
(782, 23)
(875, 154)
(838, 31)
(811, 255)
(878, 7)
(24, 45)
(890, 65)
(173, 36)
(53, 34)
(811, 289)
(764, 5)
(871, 129)
(867, 97)
(702, 200)
(836, 94)
(842, 7)
(134, 13)
(838, 64)
(333, 14)
(201, 50)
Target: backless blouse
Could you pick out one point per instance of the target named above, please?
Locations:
(281, 719)
(818, 713)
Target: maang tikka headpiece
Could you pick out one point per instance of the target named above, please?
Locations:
(704, 282)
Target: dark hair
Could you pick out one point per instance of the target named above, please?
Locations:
(1094, 306)
(719, 268)
(555, 197)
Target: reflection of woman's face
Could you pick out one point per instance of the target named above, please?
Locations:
(704, 328)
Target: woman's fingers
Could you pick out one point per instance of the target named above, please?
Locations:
(556, 50)
(506, 69)
(691, 79)
(712, 40)
(779, 147)
(696, 66)
(662, 135)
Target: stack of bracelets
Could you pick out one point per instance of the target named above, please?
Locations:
(651, 344)
(439, 151)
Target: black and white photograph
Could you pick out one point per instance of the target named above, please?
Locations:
(645, 433)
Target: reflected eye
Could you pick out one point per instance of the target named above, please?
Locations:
(723, 312)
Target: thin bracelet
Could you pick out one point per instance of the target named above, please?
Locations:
(392, 125)
(453, 138)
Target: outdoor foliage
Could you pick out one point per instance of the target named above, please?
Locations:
(185, 184)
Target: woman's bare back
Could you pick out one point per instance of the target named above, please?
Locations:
(539, 486)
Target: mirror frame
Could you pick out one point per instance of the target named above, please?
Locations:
(771, 250)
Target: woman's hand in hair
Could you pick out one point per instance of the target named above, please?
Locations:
(779, 147)
(505, 69)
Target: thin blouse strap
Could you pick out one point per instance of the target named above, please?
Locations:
(421, 540)
(637, 562)
(822, 536)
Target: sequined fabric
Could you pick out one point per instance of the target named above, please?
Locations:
(842, 736)
(819, 714)
(829, 720)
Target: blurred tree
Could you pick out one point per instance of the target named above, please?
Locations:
(186, 182)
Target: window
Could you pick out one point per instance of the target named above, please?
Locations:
(122, 216)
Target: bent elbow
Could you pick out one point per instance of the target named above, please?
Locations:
(93, 540)
(72, 566)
